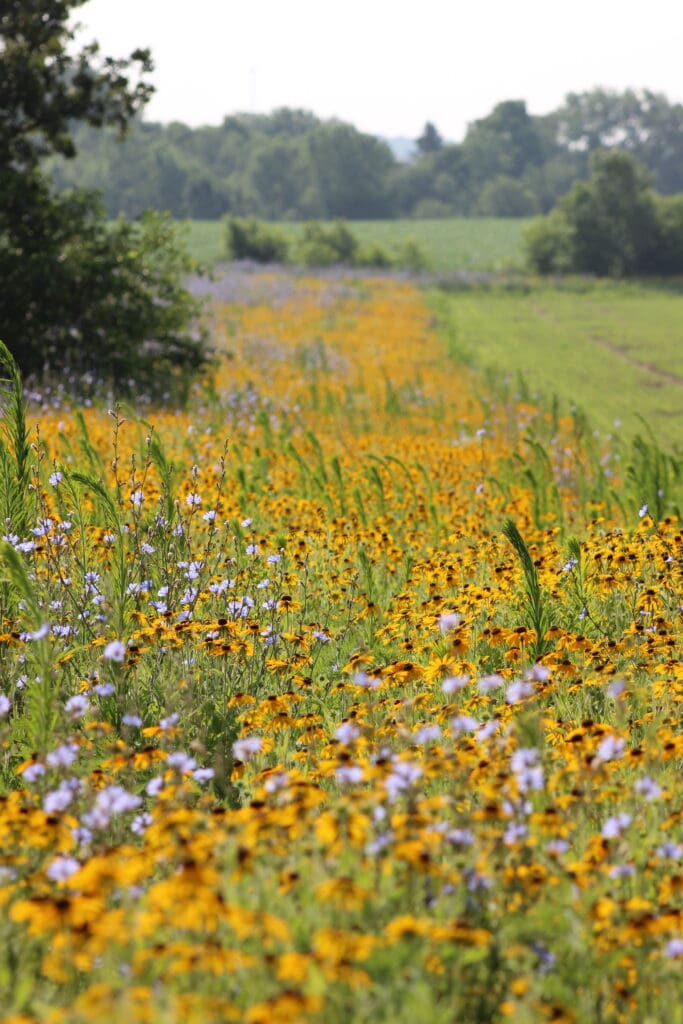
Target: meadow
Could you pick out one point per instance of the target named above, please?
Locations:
(614, 350)
(349, 694)
(450, 244)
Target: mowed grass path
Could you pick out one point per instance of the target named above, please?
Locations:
(458, 243)
(614, 350)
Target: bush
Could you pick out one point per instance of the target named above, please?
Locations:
(506, 197)
(411, 256)
(322, 246)
(548, 244)
(251, 239)
(612, 225)
(84, 296)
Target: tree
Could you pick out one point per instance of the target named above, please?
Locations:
(611, 225)
(506, 197)
(505, 143)
(430, 140)
(76, 292)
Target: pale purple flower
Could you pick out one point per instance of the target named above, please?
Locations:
(615, 826)
(463, 724)
(59, 799)
(610, 749)
(347, 732)
(246, 748)
(349, 774)
(648, 788)
(449, 621)
(141, 823)
(115, 651)
(366, 682)
(427, 733)
(489, 683)
(41, 632)
(62, 756)
(518, 691)
(62, 868)
(32, 772)
(616, 688)
(452, 684)
(181, 762)
(76, 706)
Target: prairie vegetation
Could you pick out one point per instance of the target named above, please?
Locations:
(448, 244)
(351, 693)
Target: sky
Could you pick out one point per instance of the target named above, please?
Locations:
(388, 66)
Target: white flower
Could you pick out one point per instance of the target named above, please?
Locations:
(137, 498)
(115, 651)
(5, 705)
(193, 500)
(55, 478)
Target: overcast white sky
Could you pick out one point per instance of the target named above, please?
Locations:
(388, 66)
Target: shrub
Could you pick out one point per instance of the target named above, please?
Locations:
(322, 246)
(612, 225)
(251, 239)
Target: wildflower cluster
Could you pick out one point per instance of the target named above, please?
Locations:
(280, 739)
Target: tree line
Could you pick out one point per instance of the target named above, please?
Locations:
(291, 165)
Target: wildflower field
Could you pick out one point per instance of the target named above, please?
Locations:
(351, 694)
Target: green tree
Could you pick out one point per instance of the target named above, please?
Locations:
(611, 225)
(77, 293)
(430, 140)
(505, 143)
(506, 197)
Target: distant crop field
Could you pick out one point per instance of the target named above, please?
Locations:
(458, 243)
(613, 350)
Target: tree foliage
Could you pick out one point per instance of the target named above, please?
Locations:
(290, 165)
(78, 294)
(611, 225)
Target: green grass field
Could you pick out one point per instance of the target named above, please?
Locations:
(614, 350)
(459, 243)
